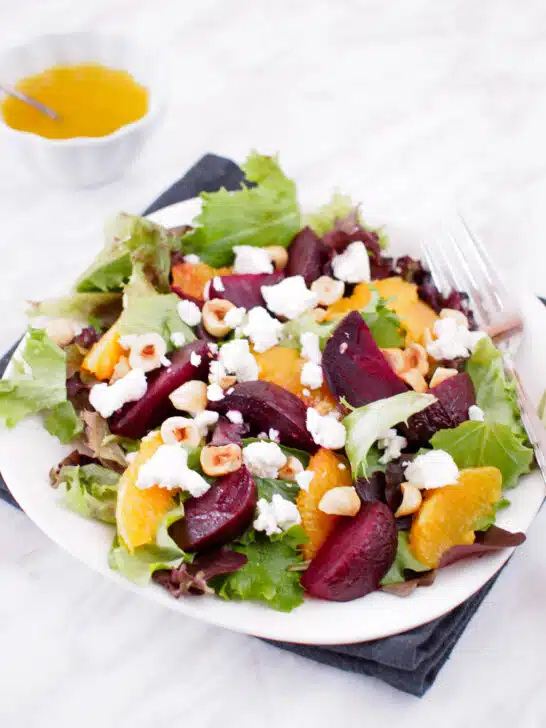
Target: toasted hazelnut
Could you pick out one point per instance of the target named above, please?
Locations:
(121, 369)
(319, 314)
(340, 501)
(180, 430)
(416, 357)
(220, 460)
(60, 331)
(290, 469)
(213, 316)
(396, 359)
(278, 256)
(190, 397)
(441, 374)
(411, 500)
(329, 290)
(146, 351)
(415, 379)
(459, 316)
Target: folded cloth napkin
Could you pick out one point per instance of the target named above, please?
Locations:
(409, 661)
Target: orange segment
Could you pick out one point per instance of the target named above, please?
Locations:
(325, 465)
(359, 299)
(283, 366)
(139, 512)
(448, 515)
(191, 278)
(104, 355)
(415, 315)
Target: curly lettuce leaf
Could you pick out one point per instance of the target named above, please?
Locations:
(157, 313)
(495, 394)
(271, 574)
(338, 207)
(164, 553)
(403, 560)
(38, 381)
(85, 307)
(268, 487)
(365, 424)
(63, 422)
(89, 490)
(474, 444)
(267, 214)
(384, 324)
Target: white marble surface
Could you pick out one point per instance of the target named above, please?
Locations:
(410, 105)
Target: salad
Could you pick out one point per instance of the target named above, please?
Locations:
(266, 406)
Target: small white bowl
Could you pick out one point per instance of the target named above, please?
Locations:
(83, 161)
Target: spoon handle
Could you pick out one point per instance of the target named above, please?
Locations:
(42, 108)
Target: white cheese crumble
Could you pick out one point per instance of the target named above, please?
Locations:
(168, 468)
(189, 312)
(276, 516)
(178, 339)
(195, 359)
(289, 298)
(218, 284)
(353, 265)
(251, 260)
(274, 434)
(107, 398)
(235, 317)
(236, 358)
(304, 479)
(205, 419)
(264, 459)
(476, 414)
(453, 340)
(392, 443)
(263, 330)
(213, 347)
(433, 469)
(311, 375)
(235, 417)
(310, 347)
(192, 258)
(325, 430)
(215, 393)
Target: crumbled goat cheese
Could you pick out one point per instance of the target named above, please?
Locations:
(325, 430)
(192, 258)
(353, 265)
(310, 347)
(189, 313)
(215, 393)
(218, 284)
(195, 359)
(276, 516)
(289, 298)
(235, 317)
(264, 459)
(235, 417)
(453, 340)
(304, 479)
(178, 339)
(311, 375)
(107, 398)
(393, 444)
(251, 260)
(274, 434)
(433, 469)
(168, 468)
(236, 358)
(475, 413)
(204, 420)
(263, 330)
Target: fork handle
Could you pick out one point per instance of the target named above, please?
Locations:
(533, 425)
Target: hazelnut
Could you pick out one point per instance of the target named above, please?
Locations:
(340, 501)
(416, 357)
(290, 469)
(441, 374)
(213, 316)
(319, 314)
(190, 397)
(415, 379)
(60, 331)
(221, 460)
(329, 290)
(411, 500)
(396, 359)
(278, 256)
(121, 369)
(180, 430)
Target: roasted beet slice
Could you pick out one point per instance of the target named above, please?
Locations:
(137, 418)
(455, 395)
(372, 488)
(355, 557)
(355, 367)
(243, 290)
(219, 516)
(265, 405)
(228, 433)
(494, 539)
(192, 578)
(307, 256)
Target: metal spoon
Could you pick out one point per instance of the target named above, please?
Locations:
(29, 100)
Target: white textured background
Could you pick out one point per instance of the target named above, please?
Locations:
(410, 105)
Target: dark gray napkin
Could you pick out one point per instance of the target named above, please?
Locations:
(408, 661)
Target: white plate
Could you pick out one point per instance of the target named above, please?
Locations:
(28, 452)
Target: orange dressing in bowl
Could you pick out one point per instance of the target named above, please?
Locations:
(91, 99)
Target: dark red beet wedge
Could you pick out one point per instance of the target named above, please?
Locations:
(355, 557)
(219, 516)
(244, 290)
(307, 256)
(265, 405)
(354, 366)
(455, 395)
(137, 418)
(228, 433)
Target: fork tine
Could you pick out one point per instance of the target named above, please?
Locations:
(437, 276)
(497, 288)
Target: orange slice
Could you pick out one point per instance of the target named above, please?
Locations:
(359, 299)
(191, 278)
(104, 355)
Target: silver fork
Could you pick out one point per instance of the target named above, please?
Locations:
(458, 261)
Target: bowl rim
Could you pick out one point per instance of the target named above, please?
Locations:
(156, 95)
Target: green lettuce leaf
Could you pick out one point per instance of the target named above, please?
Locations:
(63, 422)
(339, 206)
(268, 487)
(292, 330)
(85, 307)
(488, 520)
(474, 444)
(89, 490)
(271, 574)
(38, 381)
(157, 313)
(267, 214)
(384, 324)
(495, 394)
(141, 564)
(403, 560)
(365, 424)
